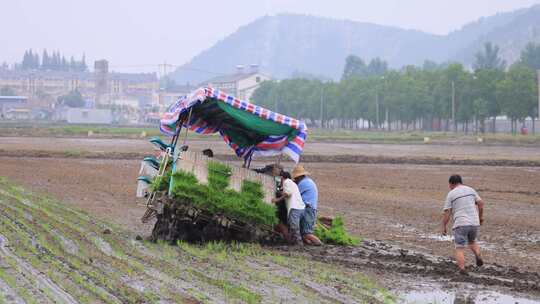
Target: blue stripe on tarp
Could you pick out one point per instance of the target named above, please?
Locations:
(294, 148)
(271, 138)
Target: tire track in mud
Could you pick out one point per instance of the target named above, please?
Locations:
(381, 256)
(42, 280)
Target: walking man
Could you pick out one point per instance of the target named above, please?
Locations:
(310, 196)
(466, 207)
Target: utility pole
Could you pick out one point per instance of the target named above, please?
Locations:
(322, 101)
(163, 68)
(538, 110)
(538, 72)
(377, 100)
(377, 104)
(454, 106)
(387, 119)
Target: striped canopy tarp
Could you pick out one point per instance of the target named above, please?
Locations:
(250, 130)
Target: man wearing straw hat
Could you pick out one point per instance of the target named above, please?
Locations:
(310, 196)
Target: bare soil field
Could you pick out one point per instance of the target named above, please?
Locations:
(311, 148)
(399, 205)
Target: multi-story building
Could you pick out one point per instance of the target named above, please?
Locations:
(241, 84)
(163, 98)
(101, 86)
(8, 103)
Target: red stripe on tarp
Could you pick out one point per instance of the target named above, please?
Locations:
(264, 113)
(297, 140)
(272, 146)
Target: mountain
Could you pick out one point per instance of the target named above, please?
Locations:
(510, 31)
(284, 44)
(289, 44)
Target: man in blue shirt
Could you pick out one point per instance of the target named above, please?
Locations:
(310, 196)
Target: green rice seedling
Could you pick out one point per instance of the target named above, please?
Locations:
(254, 189)
(240, 292)
(215, 198)
(218, 175)
(161, 183)
(336, 234)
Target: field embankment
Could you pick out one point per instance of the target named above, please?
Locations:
(16, 129)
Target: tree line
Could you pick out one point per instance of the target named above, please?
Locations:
(53, 62)
(434, 97)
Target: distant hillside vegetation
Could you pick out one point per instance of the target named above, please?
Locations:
(287, 44)
(510, 31)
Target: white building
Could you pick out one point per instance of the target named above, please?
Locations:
(132, 103)
(242, 84)
(11, 102)
(166, 97)
(84, 115)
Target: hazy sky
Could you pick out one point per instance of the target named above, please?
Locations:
(146, 32)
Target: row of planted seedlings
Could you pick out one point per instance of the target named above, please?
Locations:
(175, 264)
(39, 240)
(209, 283)
(38, 249)
(95, 270)
(128, 258)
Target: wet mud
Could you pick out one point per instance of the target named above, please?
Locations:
(381, 256)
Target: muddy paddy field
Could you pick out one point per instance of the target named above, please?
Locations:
(391, 195)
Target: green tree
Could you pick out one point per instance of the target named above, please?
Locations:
(83, 66)
(35, 62)
(407, 99)
(485, 86)
(530, 56)
(26, 61)
(377, 67)
(517, 94)
(489, 58)
(45, 60)
(354, 66)
(73, 99)
(481, 112)
(430, 66)
(72, 64)
(64, 64)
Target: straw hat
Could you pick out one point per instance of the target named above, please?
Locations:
(299, 171)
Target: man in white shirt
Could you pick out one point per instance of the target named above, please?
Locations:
(295, 207)
(466, 208)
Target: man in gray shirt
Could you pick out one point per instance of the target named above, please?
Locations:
(466, 207)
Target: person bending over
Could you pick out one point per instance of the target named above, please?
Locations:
(295, 207)
(310, 196)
